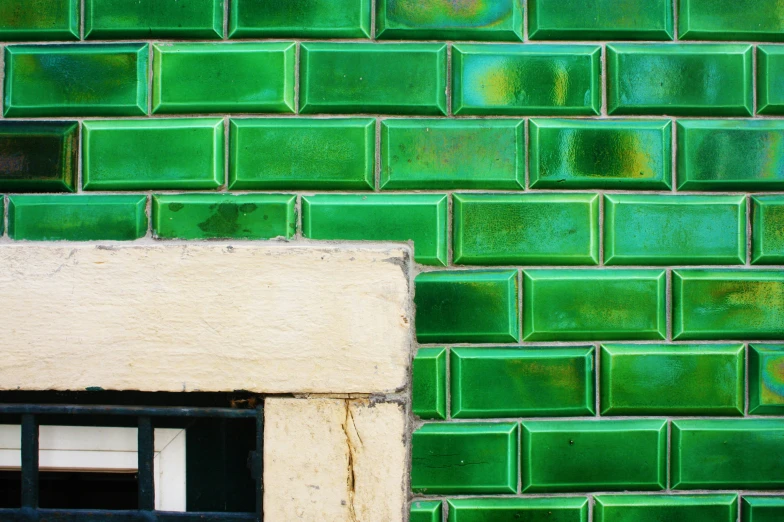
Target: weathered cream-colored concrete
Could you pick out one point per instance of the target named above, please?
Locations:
(263, 317)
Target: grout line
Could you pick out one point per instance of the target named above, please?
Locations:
(675, 19)
(591, 505)
(746, 350)
(668, 304)
(669, 457)
(6, 204)
(449, 80)
(226, 14)
(604, 81)
(601, 228)
(754, 81)
(79, 182)
(150, 71)
(148, 210)
(527, 155)
(450, 259)
(373, 8)
(520, 303)
(82, 13)
(296, 78)
(226, 153)
(377, 157)
(749, 230)
(674, 155)
(2, 81)
(597, 382)
(519, 458)
(298, 209)
(448, 384)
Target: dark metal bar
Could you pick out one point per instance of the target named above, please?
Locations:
(258, 464)
(136, 411)
(29, 461)
(145, 454)
(96, 515)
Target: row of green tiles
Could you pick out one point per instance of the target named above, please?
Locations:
(405, 78)
(649, 379)
(597, 455)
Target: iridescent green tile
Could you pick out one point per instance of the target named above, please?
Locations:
(39, 20)
(118, 19)
(766, 379)
(767, 226)
(425, 511)
(770, 79)
(38, 156)
(762, 509)
(754, 20)
(299, 19)
(661, 508)
(428, 383)
(561, 509)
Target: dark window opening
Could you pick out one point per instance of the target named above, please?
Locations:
(74, 490)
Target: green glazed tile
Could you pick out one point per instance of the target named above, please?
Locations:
(730, 155)
(77, 217)
(467, 306)
(526, 229)
(526, 79)
(728, 304)
(39, 20)
(770, 79)
(661, 508)
(302, 153)
(600, 20)
(514, 382)
(561, 509)
(674, 230)
(727, 454)
(38, 156)
(600, 154)
(766, 379)
(153, 154)
(299, 19)
(448, 20)
(224, 216)
(423, 511)
(464, 458)
(420, 218)
(762, 509)
(76, 80)
(767, 225)
(372, 78)
(651, 379)
(681, 79)
(588, 305)
(608, 455)
(223, 77)
(755, 20)
(429, 383)
(116, 19)
(452, 154)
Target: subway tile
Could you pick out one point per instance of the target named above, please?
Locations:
(452, 154)
(606, 455)
(302, 153)
(254, 77)
(425, 511)
(76, 80)
(526, 229)
(428, 383)
(373, 78)
(528, 382)
(659, 508)
(766, 379)
(762, 509)
(39, 20)
(117, 19)
(311, 19)
(681, 79)
(467, 306)
(465, 458)
(674, 230)
(755, 20)
(770, 79)
(38, 156)
(591, 305)
(727, 454)
(650, 379)
(600, 154)
(767, 223)
(224, 216)
(153, 154)
(526, 79)
(561, 509)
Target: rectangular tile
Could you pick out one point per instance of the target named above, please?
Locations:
(153, 154)
(367, 78)
(607, 455)
(561, 509)
(766, 379)
(253, 77)
(39, 20)
(770, 75)
(311, 19)
(681, 79)
(302, 153)
(428, 383)
(38, 156)
(674, 230)
(464, 458)
(452, 154)
(527, 382)
(76, 80)
(467, 307)
(600, 154)
(119, 19)
(425, 511)
(727, 454)
(526, 79)
(767, 221)
(762, 509)
(755, 20)
(592, 305)
(657, 508)
(651, 379)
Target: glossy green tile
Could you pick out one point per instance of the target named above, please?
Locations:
(755, 20)
(39, 20)
(464, 458)
(223, 77)
(367, 78)
(762, 509)
(526, 79)
(607, 455)
(526, 229)
(76, 80)
(38, 156)
(766, 379)
(224, 216)
(770, 79)
(662, 508)
(117, 19)
(600, 154)
(420, 218)
(527, 382)
(302, 153)
(651, 379)
(727, 454)
(467, 306)
(77, 217)
(425, 511)
(299, 19)
(561, 509)
(428, 383)
(153, 154)
(498, 20)
(767, 230)
(452, 154)
(588, 305)
(674, 230)
(727, 304)
(680, 79)
(600, 20)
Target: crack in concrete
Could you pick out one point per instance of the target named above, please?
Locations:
(351, 459)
